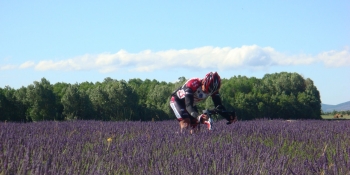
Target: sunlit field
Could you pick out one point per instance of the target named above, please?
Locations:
(247, 147)
(330, 116)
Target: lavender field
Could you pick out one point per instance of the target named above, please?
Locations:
(247, 147)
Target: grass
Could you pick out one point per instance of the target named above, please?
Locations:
(331, 117)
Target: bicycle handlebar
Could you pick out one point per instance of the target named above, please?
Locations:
(215, 111)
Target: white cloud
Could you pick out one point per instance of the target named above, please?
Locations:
(27, 64)
(80, 63)
(245, 57)
(8, 67)
(335, 58)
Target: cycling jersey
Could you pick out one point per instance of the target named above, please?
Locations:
(188, 95)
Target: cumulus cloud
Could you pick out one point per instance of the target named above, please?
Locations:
(245, 57)
(335, 59)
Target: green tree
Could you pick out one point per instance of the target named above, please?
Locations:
(59, 90)
(280, 95)
(98, 100)
(5, 107)
(71, 103)
(158, 101)
(122, 101)
(291, 96)
(11, 107)
(21, 96)
(41, 101)
(85, 86)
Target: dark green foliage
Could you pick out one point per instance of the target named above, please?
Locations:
(12, 107)
(72, 103)
(279, 95)
(5, 106)
(41, 100)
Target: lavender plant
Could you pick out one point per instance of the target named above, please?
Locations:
(247, 147)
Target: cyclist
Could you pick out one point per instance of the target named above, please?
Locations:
(183, 100)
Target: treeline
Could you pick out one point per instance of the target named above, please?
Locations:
(280, 95)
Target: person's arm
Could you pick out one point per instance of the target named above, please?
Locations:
(189, 99)
(230, 117)
(217, 101)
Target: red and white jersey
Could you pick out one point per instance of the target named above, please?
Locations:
(193, 86)
(184, 99)
(191, 93)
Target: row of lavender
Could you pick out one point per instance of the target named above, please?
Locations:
(247, 147)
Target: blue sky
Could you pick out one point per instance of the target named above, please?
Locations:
(78, 41)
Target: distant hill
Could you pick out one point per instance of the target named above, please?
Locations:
(340, 107)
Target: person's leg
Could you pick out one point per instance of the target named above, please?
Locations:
(184, 124)
(194, 125)
(180, 112)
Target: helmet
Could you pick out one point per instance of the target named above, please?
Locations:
(211, 82)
